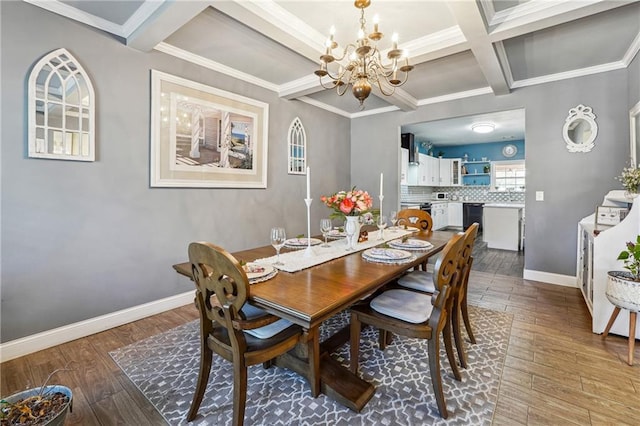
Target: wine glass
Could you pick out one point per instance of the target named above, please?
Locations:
(325, 227)
(393, 217)
(381, 222)
(278, 237)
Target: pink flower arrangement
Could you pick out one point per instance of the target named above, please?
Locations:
(348, 203)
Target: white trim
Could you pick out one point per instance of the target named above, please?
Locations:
(632, 51)
(71, 12)
(581, 72)
(503, 58)
(215, 66)
(376, 111)
(454, 96)
(46, 339)
(139, 17)
(550, 278)
(324, 106)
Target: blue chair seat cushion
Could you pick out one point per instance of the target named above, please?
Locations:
(404, 305)
(418, 280)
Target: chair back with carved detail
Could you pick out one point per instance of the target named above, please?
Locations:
(415, 218)
(230, 326)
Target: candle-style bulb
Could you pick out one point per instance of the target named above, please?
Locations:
(394, 39)
(376, 21)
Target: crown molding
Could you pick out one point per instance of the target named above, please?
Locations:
(632, 51)
(550, 78)
(215, 66)
(70, 12)
(454, 96)
(301, 87)
(376, 111)
(324, 106)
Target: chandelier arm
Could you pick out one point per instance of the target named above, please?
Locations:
(393, 89)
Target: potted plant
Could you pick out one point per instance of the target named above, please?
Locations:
(623, 287)
(44, 405)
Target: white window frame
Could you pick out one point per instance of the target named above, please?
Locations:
(61, 142)
(297, 148)
(519, 181)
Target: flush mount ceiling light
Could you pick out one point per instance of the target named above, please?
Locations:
(483, 127)
(363, 65)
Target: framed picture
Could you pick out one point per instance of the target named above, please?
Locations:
(203, 137)
(607, 215)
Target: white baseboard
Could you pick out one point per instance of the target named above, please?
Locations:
(549, 278)
(46, 339)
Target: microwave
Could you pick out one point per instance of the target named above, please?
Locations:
(440, 196)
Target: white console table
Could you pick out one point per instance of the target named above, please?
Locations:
(598, 249)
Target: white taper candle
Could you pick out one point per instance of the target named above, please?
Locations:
(308, 183)
(381, 180)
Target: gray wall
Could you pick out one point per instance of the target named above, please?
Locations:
(573, 183)
(84, 239)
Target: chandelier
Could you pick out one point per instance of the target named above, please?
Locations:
(364, 67)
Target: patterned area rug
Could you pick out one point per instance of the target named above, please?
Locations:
(165, 369)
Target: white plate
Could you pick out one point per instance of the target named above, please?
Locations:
(301, 242)
(386, 254)
(336, 233)
(411, 243)
(255, 270)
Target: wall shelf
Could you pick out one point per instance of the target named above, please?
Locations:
(476, 174)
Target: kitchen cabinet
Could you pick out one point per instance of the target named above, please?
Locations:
(404, 166)
(439, 215)
(597, 255)
(433, 171)
(444, 168)
(424, 170)
(456, 172)
(455, 215)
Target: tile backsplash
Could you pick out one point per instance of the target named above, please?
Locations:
(473, 193)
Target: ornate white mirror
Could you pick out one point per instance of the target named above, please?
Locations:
(634, 129)
(580, 129)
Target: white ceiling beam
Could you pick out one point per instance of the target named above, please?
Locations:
(437, 45)
(472, 25)
(164, 22)
(275, 22)
(537, 15)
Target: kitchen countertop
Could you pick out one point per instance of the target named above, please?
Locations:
(505, 205)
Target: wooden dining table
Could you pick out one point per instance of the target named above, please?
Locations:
(313, 295)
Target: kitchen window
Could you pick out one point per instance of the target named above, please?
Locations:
(508, 175)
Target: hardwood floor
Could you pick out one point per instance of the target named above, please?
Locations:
(556, 371)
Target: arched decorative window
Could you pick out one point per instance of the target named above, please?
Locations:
(297, 148)
(61, 109)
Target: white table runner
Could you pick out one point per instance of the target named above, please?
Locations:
(296, 260)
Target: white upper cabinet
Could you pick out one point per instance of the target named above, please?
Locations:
(445, 172)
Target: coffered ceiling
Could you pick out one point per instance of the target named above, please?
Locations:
(459, 48)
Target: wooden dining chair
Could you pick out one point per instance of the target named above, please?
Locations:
(423, 281)
(415, 218)
(415, 315)
(234, 329)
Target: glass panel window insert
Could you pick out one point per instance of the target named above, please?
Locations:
(61, 109)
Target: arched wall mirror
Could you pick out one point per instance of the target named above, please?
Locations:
(61, 109)
(634, 133)
(580, 129)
